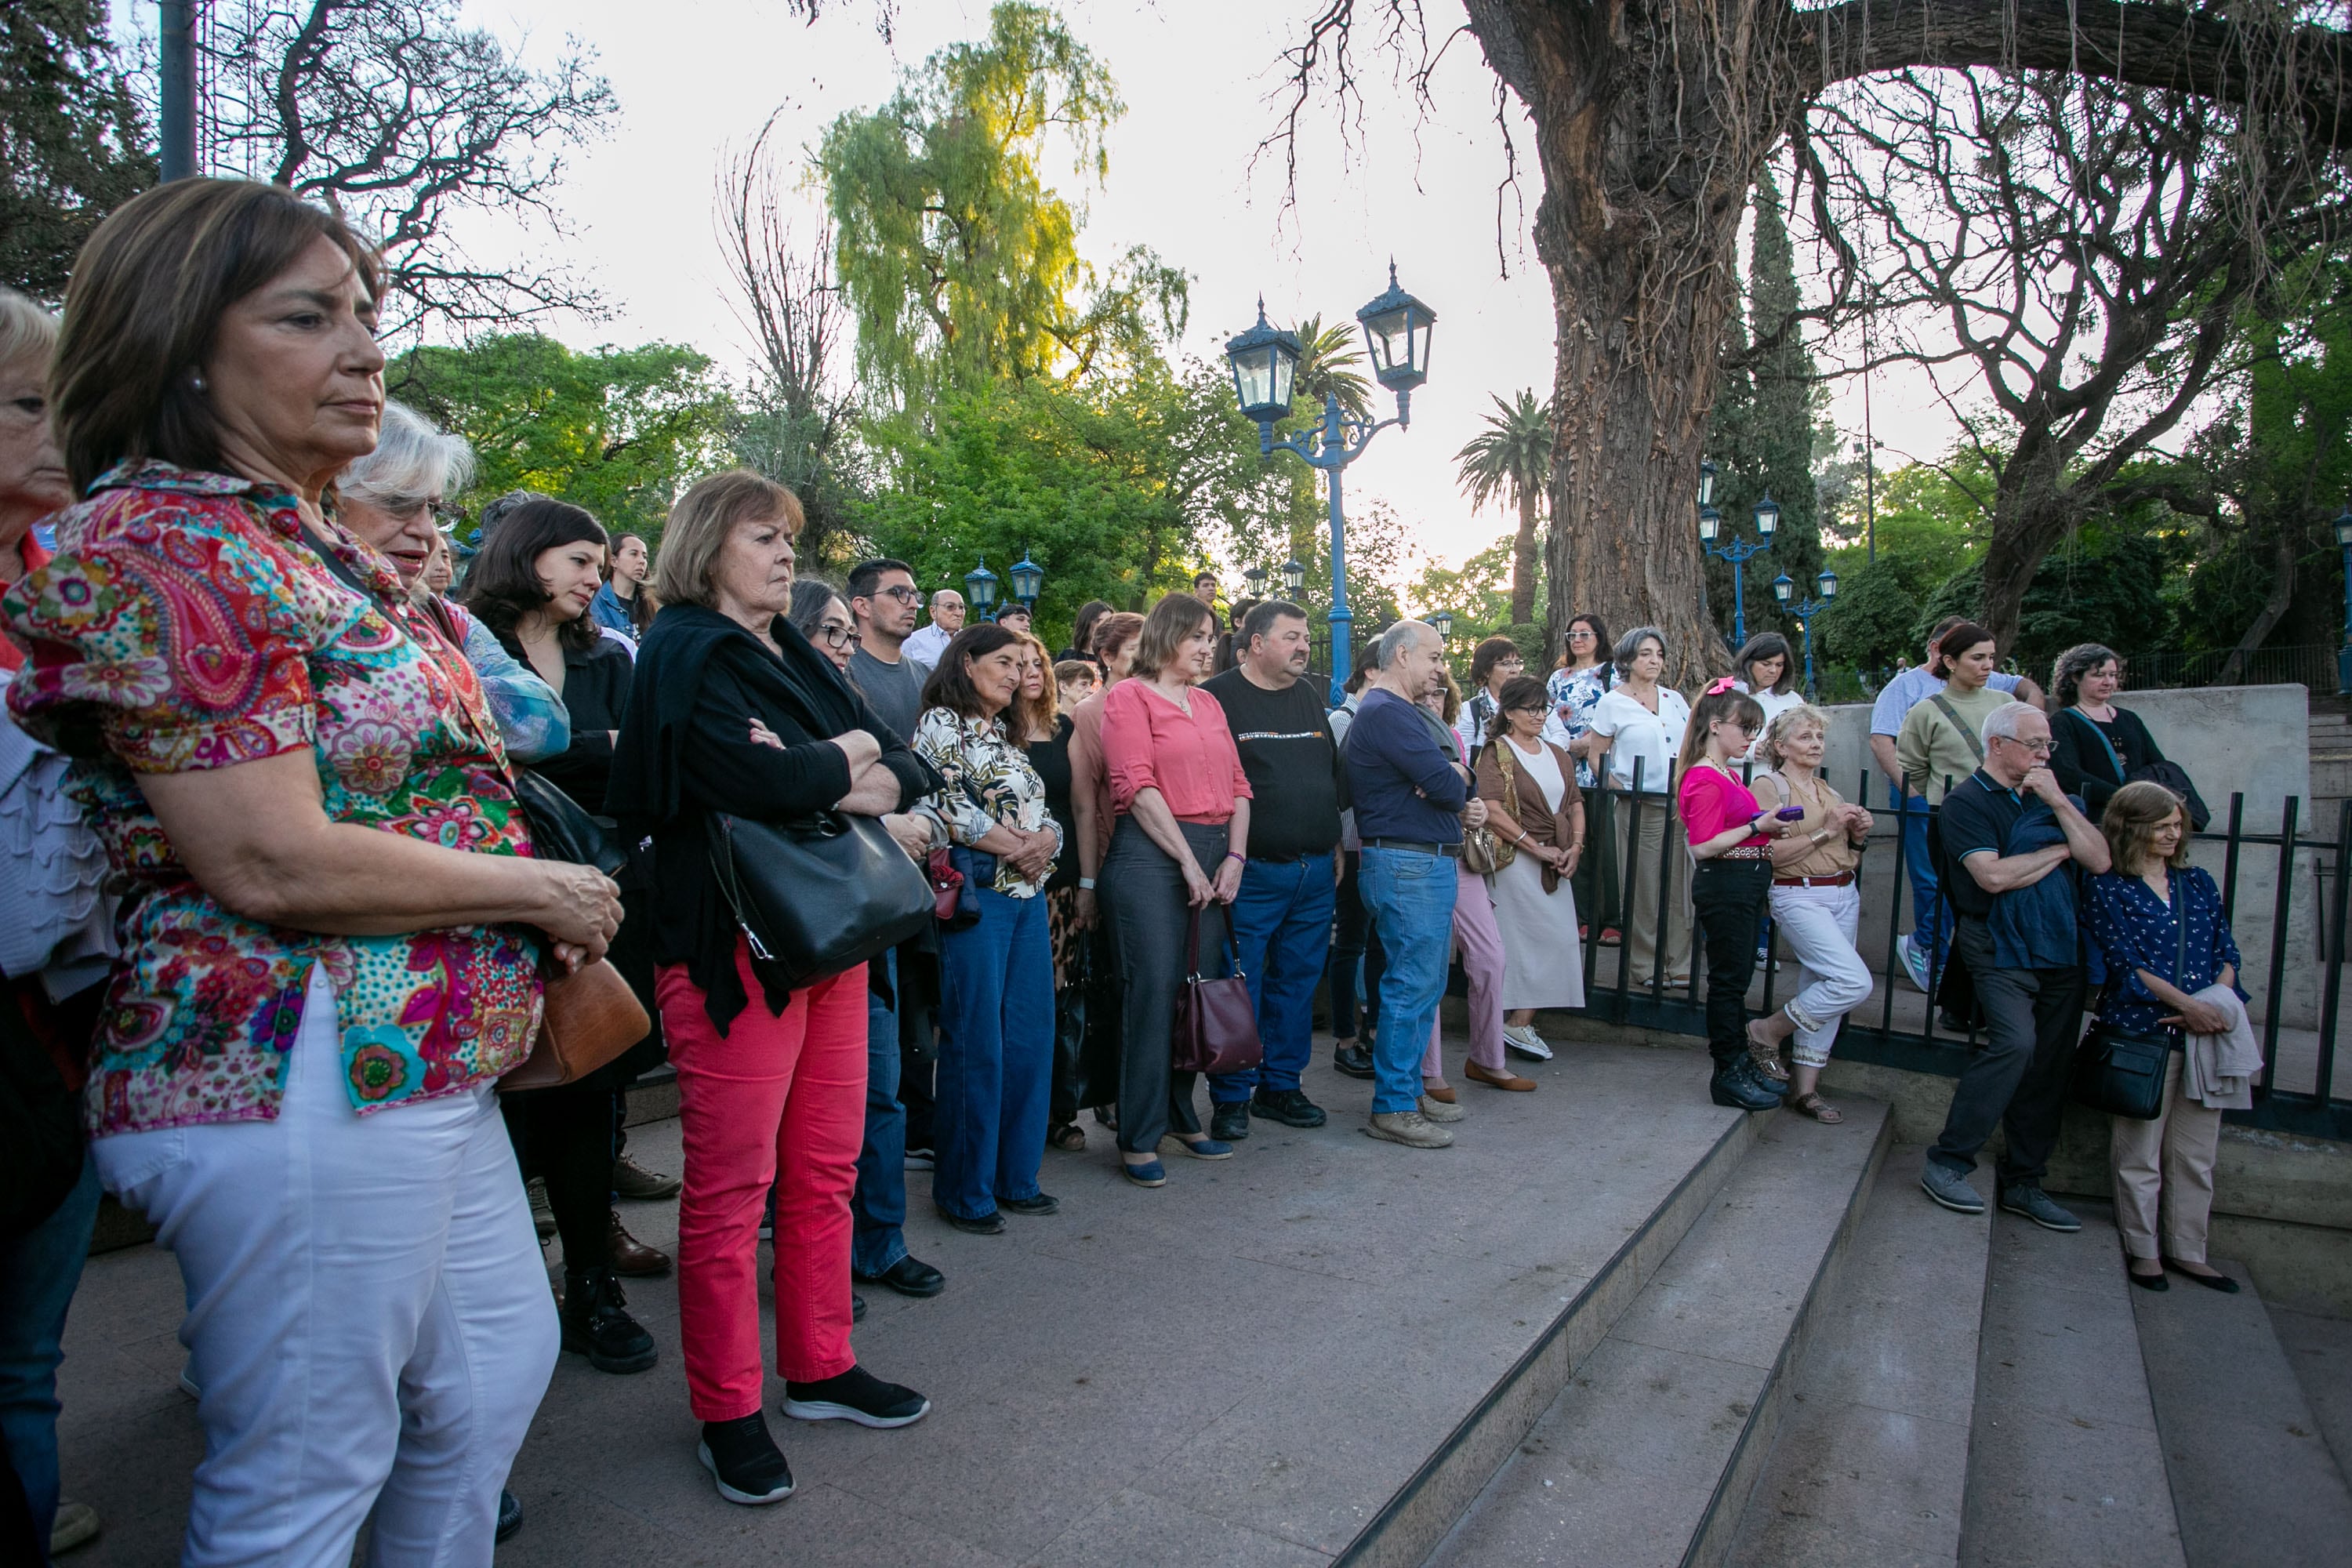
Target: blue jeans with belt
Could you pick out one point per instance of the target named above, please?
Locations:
(1411, 896)
(878, 1206)
(997, 1047)
(1282, 925)
(38, 1272)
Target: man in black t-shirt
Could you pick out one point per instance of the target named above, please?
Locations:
(1282, 916)
(2009, 834)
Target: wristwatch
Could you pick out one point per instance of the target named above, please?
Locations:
(1086, 884)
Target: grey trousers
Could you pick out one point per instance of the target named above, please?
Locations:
(2018, 1076)
(1141, 891)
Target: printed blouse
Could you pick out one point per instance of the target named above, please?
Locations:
(989, 781)
(185, 624)
(1573, 693)
(2136, 929)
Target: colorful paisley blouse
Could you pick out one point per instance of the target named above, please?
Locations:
(989, 780)
(184, 624)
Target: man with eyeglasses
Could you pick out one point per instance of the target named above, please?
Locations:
(2014, 846)
(883, 596)
(946, 619)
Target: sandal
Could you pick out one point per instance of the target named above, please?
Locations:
(1068, 1137)
(1766, 1058)
(1814, 1106)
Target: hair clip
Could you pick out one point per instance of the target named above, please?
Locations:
(1722, 684)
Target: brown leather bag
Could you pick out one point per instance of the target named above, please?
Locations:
(1216, 1027)
(591, 1017)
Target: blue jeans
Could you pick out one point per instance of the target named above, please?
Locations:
(38, 1271)
(1931, 917)
(879, 1208)
(996, 1048)
(1282, 924)
(1411, 896)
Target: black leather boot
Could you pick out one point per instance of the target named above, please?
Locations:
(596, 1324)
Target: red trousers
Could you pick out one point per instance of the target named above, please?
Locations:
(771, 1095)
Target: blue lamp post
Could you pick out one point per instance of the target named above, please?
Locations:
(2344, 654)
(1737, 550)
(979, 590)
(1786, 593)
(1265, 363)
(1028, 580)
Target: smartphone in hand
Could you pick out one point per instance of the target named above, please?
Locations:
(1790, 813)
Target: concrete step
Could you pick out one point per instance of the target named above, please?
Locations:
(2065, 1465)
(2252, 1479)
(1871, 1466)
(2319, 1349)
(1650, 1454)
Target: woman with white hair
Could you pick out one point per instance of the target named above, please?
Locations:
(391, 500)
(1816, 905)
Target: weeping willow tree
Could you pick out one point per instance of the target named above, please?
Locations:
(958, 256)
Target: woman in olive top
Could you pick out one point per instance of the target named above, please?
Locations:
(2097, 747)
(1942, 741)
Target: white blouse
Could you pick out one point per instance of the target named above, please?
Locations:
(1543, 768)
(1635, 733)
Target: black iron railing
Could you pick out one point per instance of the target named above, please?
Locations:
(2259, 869)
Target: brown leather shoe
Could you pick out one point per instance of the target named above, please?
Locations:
(1442, 1096)
(1509, 1081)
(634, 1257)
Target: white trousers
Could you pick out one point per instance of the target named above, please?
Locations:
(1820, 925)
(368, 1316)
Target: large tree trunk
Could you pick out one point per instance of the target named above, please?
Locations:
(1523, 562)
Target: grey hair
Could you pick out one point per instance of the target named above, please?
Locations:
(939, 593)
(1787, 723)
(1630, 643)
(1394, 641)
(413, 459)
(27, 330)
(2001, 724)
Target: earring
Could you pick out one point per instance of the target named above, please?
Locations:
(197, 382)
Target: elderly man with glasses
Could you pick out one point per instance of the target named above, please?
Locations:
(2012, 841)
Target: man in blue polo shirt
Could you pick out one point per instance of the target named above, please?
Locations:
(1412, 799)
(2011, 841)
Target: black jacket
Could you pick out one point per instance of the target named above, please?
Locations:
(686, 751)
(596, 698)
(2082, 763)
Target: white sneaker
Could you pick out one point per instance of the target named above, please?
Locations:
(1523, 1039)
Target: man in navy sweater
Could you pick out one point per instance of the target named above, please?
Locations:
(1412, 799)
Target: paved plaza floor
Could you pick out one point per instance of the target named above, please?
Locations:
(1239, 1368)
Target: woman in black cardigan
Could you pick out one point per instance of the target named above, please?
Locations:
(2096, 746)
(732, 712)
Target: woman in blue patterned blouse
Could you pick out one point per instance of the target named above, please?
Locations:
(2161, 979)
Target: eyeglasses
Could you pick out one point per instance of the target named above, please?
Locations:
(835, 634)
(1579, 634)
(1510, 664)
(2039, 748)
(906, 594)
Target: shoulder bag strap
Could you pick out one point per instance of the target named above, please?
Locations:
(1976, 746)
(2180, 927)
(1192, 947)
(2100, 735)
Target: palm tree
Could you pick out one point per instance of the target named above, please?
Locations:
(1328, 365)
(1513, 454)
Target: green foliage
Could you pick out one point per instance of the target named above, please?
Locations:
(1328, 365)
(619, 431)
(1873, 621)
(2103, 584)
(958, 260)
(72, 147)
(1512, 457)
(1478, 592)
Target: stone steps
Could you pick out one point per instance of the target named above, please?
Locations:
(1648, 1455)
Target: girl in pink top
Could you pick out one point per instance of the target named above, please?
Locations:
(1730, 839)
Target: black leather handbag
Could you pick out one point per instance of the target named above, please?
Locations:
(563, 829)
(818, 894)
(2121, 1072)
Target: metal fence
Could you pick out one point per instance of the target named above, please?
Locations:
(2258, 874)
(2311, 665)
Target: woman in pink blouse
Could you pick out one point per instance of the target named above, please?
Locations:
(332, 930)
(1730, 838)
(1182, 805)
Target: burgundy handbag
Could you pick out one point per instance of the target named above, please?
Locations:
(1216, 1027)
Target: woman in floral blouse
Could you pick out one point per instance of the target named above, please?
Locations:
(334, 921)
(1583, 677)
(996, 974)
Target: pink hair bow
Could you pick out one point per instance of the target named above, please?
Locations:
(1722, 685)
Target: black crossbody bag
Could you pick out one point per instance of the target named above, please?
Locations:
(2120, 1072)
(818, 894)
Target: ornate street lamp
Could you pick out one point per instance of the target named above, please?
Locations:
(980, 589)
(1786, 593)
(1443, 621)
(1294, 578)
(1735, 550)
(1255, 578)
(1028, 580)
(1266, 362)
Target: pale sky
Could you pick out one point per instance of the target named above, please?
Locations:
(1201, 78)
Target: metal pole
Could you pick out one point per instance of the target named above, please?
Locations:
(1342, 618)
(1739, 599)
(2344, 654)
(178, 70)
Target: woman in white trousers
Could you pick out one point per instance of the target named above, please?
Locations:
(1816, 906)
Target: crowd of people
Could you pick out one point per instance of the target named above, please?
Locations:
(280, 783)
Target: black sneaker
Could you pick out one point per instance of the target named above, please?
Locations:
(856, 1395)
(596, 1324)
(1351, 1062)
(1229, 1121)
(510, 1516)
(1737, 1086)
(745, 1461)
(1289, 1106)
(856, 1307)
(1037, 1207)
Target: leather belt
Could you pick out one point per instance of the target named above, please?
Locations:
(1747, 852)
(1842, 879)
(1418, 846)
